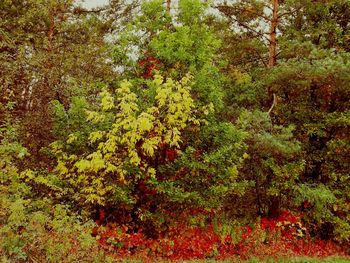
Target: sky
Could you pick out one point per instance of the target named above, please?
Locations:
(94, 3)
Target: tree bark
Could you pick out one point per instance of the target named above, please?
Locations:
(168, 6)
(272, 99)
(274, 206)
(273, 34)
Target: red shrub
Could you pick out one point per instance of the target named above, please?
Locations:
(270, 238)
(148, 65)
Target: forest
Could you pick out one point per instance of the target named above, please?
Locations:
(168, 130)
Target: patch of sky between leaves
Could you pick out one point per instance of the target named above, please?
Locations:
(93, 3)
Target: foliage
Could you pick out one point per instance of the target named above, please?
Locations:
(309, 81)
(127, 150)
(38, 231)
(34, 229)
(149, 156)
(272, 238)
(180, 46)
(49, 51)
(317, 103)
(272, 162)
(185, 129)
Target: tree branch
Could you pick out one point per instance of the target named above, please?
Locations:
(274, 103)
(257, 33)
(222, 7)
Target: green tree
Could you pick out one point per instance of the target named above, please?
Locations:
(308, 80)
(158, 144)
(174, 45)
(49, 50)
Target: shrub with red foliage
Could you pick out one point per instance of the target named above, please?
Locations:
(288, 224)
(272, 237)
(171, 154)
(180, 242)
(148, 65)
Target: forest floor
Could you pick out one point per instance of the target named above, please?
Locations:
(266, 260)
(285, 260)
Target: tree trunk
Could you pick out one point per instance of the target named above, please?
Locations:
(168, 6)
(274, 206)
(272, 99)
(273, 34)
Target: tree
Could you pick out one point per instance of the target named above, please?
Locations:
(48, 50)
(307, 78)
(157, 145)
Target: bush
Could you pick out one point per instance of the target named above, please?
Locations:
(34, 229)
